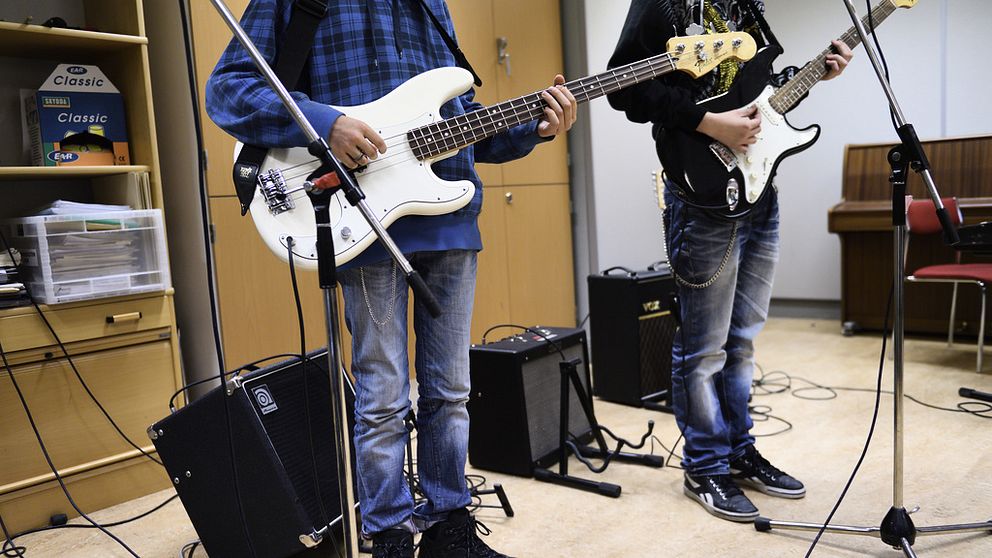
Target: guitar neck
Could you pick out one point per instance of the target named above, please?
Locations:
(463, 130)
(789, 95)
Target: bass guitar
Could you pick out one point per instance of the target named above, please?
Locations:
(400, 182)
(730, 182)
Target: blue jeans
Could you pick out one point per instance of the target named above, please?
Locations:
(713, 352)
(376, 315)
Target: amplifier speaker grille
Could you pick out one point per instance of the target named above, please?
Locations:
(632, 329)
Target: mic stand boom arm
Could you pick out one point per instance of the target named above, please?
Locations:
(327, 271)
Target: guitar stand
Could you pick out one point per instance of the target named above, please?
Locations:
(410, 421)
(570, 375)
(497, 489)
(654, 402)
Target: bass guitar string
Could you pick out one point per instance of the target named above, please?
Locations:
(638, 74)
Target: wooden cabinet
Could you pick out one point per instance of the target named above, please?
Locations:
(131, 365)
(525, 271)
(525, 268)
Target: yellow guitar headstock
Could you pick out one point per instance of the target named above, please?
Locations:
(699, 54)
(904, 3)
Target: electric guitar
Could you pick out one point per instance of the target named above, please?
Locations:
(730, 182)
(400, 182)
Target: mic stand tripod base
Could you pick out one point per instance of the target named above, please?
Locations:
(897, 529)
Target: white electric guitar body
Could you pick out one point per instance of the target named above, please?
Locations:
(731, 182)
(400, 181)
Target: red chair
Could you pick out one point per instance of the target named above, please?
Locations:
(922, 219)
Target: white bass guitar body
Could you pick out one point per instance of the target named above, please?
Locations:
(396, 184)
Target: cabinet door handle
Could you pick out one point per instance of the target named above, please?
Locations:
(502, 56)
(509, 197)
(124, 318)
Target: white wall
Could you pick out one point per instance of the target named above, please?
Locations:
(933, 51)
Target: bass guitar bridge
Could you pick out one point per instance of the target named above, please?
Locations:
(272, 184)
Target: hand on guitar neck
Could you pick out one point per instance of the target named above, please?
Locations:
(838, 61)
(740, 128)
(561, 111)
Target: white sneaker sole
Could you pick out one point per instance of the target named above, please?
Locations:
(770, 490)
(746, 517)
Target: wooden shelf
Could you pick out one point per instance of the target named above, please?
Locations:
(49, 173)
(38, 41)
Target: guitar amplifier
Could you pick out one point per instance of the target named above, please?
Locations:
(515, 402)
(632, 327)
(275, 495)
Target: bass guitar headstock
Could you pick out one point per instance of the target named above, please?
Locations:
(700, 54)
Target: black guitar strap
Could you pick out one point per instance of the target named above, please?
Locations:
(460, 57)
(292, 57)
(758, 16)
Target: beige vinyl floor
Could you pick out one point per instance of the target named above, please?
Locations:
(948, 461)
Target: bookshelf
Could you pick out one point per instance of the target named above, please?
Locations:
(132, 366)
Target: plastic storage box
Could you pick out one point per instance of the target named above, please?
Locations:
(76, 257)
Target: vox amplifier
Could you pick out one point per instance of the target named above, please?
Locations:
(632, 324)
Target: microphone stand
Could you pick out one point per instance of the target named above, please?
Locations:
(896, 529)
(327, 277)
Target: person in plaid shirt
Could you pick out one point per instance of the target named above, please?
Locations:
(362, 50)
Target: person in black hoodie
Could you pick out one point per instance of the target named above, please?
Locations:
(723, 268)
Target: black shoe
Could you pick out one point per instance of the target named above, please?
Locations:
(720, 496)
(754, 470)
(456, 537)
(392, 543)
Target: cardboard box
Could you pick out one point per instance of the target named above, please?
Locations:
(76, 118)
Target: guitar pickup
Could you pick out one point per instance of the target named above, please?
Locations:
(724, 155)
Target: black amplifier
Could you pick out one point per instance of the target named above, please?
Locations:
(632, 325)
(255, 465)
(515, 401)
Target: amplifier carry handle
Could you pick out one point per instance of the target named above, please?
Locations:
(629, 272)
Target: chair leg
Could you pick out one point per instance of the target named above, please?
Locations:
(981, 327)
(954, 305)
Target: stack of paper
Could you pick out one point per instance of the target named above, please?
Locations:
(65, 207)
(81, 256)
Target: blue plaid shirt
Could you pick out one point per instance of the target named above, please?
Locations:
(363, 49)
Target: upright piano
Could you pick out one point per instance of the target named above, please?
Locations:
(962, 168)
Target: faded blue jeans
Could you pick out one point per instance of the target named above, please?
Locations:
(713, 352)
(376, 314)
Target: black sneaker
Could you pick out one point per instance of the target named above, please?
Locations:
(720, 496)
(754, 470)
(392, 543)
(456, 537)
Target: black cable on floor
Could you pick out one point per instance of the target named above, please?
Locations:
(11, 539)
(871, 429)
(48, 459)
